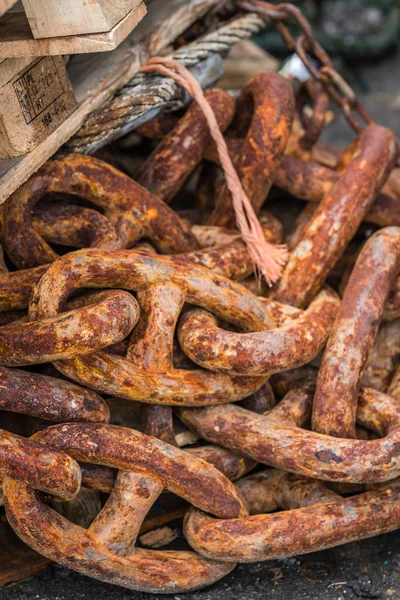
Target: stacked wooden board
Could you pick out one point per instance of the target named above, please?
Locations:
(54, 27)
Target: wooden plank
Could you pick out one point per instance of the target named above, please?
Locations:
(52, 18)
(9, 67)
(16, 39)
(17, 560)
(5, 5)
(34, 100)
(245, 60)
(95, 78)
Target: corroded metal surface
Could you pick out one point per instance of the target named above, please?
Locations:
(173, 341)
(31, 462)
(261, 353)
(107, 319)
(312, 518)
(267, 101)
(306, 452)
(311, 181)
(16, 287)
(108, 553)
(230, 258)
(337, 217)
(134, 212)
(151, 277)
(74, 226)
(49, 398)
(357, 322)
(175, 158)
(384, 357)
(392, 310)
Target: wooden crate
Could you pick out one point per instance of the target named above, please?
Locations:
(52, 18)
(95, 78)
(36, 96)
(56, 27)
(5, 5)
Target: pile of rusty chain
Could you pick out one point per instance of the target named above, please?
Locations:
(132, 325)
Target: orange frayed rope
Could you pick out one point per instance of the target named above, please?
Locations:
(269, 259)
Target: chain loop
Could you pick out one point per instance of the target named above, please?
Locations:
(307, 47)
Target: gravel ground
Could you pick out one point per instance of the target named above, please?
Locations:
(368, 569)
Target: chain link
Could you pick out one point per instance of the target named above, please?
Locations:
(304, 46)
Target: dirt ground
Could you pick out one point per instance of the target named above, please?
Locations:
(368, 569)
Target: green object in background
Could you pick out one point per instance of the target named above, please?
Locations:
(358, 28)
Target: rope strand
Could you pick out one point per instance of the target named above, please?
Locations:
(269, 259)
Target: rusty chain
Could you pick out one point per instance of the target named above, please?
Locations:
(107, 551)
(306, 45)
(156, 311)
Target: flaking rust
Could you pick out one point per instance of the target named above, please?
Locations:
(154, 278)
(305, 452)
(179, 153)
(106, 550)
(356, 325)
(107, 318)
(229, 257)
(337, 217)
(312, 518)
(268, 100)
(260, 353)
(293, 377)
(134, 211)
